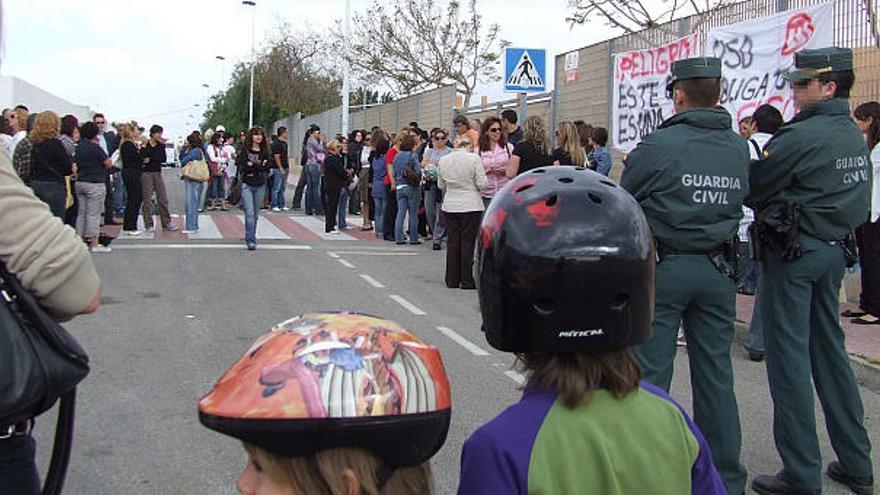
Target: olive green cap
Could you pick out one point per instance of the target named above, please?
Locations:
(694, 68)
(812, 62)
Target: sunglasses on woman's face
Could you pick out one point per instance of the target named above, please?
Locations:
(439, 138)
(494, 129)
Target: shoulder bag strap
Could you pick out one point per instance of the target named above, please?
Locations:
(62, 446)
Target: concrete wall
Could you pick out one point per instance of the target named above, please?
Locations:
(15, 91)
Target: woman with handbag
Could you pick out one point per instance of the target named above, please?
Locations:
(335, 177)
(190, 156)
(52, 265)
(50, 163)
(253, 164)
(405, 185)
(217, 163)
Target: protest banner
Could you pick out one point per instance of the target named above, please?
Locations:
(756, 53)
(639, 94)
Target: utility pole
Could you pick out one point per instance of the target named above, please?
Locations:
(253, 4)
(345, 69)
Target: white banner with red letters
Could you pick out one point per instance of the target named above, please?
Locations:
(756, 53)
(639, 95)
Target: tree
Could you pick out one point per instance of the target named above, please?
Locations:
(414, 45)
(633, 16)
(288, 77)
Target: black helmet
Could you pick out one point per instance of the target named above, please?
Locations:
(565, 263)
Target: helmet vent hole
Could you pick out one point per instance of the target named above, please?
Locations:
(524, 187)
(552, 200)
(620, 302)
(580, 169)
(595, 198)
(608, 183)
(538, 171)
(545, 307)
(566, 180)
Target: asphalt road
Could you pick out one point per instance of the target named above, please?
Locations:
(173, 319)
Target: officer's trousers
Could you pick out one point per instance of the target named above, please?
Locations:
(691, 292)
(799, 308)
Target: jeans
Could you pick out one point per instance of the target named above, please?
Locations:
(432, 212)
(279, 184)
(18, 466)
(379, 215)
(313, 189)
(119, 194)
(252, 199)
(746, 269)
(217, 188)
(53, 194)
(755, 340)
(193, 194)
(407, 201)
(343, 205)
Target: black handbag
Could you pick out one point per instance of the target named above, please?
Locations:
(40, 362)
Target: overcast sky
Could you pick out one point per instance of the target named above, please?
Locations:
(148, 59)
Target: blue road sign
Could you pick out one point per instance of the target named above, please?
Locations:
(525, 70)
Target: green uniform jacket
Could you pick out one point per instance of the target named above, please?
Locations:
(820, 161)
(690, 178)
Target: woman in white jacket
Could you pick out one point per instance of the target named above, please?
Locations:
(461, 177)
(218, 161)
(868, 119)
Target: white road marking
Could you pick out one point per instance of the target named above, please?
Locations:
(344, 263)
(467, 344)
(270, 247)
(268, 230)
(332, 255)
(412, 308)
(207, 229)
(372, 281)
(516, 376)
(376, 253)
(316, 227)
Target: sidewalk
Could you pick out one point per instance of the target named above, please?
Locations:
(862, 341)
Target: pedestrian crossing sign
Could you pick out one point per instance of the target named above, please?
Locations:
(525, 70)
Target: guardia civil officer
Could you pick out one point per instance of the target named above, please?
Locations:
(690, 178)
(810, 191)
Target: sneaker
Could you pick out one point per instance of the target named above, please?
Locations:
(334, 231)
(131, 233)
(170, 228)
(101, 249)
(189, 231)
(151, 229)
(285, 209)
(276, 209)
(251, 246)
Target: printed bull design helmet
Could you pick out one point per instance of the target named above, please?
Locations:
(327, 380)
(564, 263)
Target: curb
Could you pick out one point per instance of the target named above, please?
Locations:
(867, 371)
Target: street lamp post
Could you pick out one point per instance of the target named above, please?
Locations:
(345, 70)
(253, 4)
(222, 60)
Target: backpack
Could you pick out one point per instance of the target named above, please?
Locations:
(410, 175)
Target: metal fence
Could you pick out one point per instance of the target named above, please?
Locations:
(434, 108)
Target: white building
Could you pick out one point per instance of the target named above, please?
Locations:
(15, 91)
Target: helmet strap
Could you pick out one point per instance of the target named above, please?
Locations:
(383, 474)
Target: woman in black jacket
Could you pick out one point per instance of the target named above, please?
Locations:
(50, 163)
(132, 165)
(253, 165)
(335, 177)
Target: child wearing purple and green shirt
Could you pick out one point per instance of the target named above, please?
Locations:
(585, 423)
